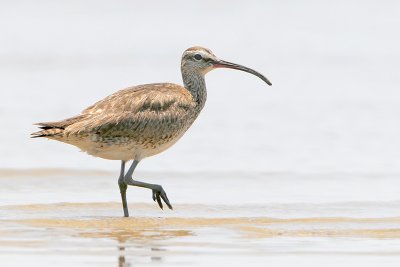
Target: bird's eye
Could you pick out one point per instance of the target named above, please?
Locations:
(198, 57)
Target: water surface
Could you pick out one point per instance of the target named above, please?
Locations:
(74, 217)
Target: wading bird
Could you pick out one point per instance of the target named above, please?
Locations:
(141, 121)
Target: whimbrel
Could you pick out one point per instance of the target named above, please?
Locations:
(141, 121)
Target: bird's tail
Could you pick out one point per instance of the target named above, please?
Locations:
(49, 130)
(55, 129)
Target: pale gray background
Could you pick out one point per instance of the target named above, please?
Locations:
(333, 106)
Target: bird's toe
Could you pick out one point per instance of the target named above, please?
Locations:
(158, 195)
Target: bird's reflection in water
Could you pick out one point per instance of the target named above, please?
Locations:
(140, 238)
(145, 239)
(122, 258)
(156, 258)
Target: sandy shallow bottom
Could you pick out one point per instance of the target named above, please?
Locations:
(44, 232)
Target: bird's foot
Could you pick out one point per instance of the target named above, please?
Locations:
(158, 194)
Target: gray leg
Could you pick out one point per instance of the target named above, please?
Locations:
(122, 189)
(158, 191)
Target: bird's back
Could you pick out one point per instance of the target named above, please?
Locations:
(132, 123)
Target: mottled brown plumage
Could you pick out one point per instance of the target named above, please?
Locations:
(133, 123)
(141, 121)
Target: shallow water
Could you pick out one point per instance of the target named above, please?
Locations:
(74, 218)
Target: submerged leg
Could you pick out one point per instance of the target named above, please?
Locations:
(122, 189)
(158, 191)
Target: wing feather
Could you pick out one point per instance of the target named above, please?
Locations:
(137, 110)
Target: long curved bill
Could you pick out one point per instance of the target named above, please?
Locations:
(230, 65)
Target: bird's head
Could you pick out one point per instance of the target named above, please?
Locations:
(202, 60)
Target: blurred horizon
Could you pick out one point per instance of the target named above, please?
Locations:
(334, 66)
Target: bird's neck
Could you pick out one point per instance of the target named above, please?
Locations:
(196, 85)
